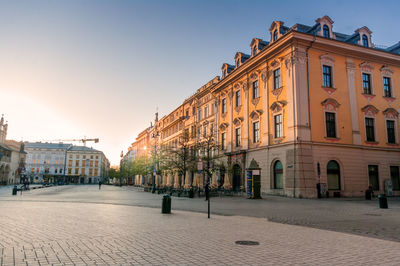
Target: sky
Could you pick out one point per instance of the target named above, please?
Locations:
(100, 69)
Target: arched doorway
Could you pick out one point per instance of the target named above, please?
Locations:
(236, 177)
(278, 175)
(333, 174)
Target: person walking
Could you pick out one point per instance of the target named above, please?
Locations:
(207, 190)
(99, 184)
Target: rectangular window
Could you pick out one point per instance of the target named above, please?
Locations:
(187, 113)
(60, 171)
(69, 171)
(395, 177)
(205, 128)
(96, 172)
(370, 129)
(373, 176)
(238, 136)
(55, 171)
(223, 106)
(237, 98)
(223, 139)
(277, 78)
(82, 171)
(255, 90)
(205, 111)
(330, 122)
(278, 126)
(90, 171)
(387, 90)
(391, 138)
(366, 83)
(76, 171)
(96, 163)
(199, 115)
(256, 132)
(76, 163)
(327, 75)
(70, 163)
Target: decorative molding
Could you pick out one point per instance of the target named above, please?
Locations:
(256, 114)
(275, 64)
(391, 113)
(238, 121)
(238, 108)
(255, 101)
(237, 85)
(330, 104)
(329, 90)
(253, 76)
(223, 126)
(327, 58)
(369, 97)
(264, 75)
(367, 67)
(390, 100)
(277, 106)
(387, 71)
(370, 110)
(277, 92)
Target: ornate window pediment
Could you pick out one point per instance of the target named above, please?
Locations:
(256, 114)
(391, 113)
(238, 121)
(223, 126)
(275, 64)
(367, 67)
(330, 104)
(254, 76)
(327, 59)
(277, 106)
(387, 71)
(238, 85)
(370, 110)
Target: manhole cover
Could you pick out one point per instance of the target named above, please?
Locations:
(247, 243)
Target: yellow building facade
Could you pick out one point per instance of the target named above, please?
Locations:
(310, 106)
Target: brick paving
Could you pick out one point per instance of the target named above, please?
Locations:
(63, 226)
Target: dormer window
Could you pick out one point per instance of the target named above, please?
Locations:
(365, 41)
(238, 62)
(326, 32)
(275, 35)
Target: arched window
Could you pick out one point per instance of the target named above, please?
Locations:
(326, 33)
(275, 35)
(333, 172)
(278, 175)
(365, 40)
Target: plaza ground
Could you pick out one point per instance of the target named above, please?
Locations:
(82, 225)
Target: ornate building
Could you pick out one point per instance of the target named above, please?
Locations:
(310, 106)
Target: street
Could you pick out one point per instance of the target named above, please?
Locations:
(83, 225)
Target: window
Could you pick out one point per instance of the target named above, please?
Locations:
(238, 62)
(369, 129)
(70, 163)
(187, 113)
(55, 171)
(277, 78)
(326, 31)
(237, 98)
(83, 163)
(82, 171)
(205, 111)
(256, 132)
(96, 163)
(91, 156)
(95, 172)
(395, 177)
(366, 83)
(254, 50)
(278, 175)
(76, 163)
(77, 156)
(391, 137)
(387, 90)
(223, 138)
(365, 41)
(223, 106)
(60, 171)
(194, 111)
(91, 163)
(205, 129)
(255, 90)
(76, 171)
(238, 136)
(69, 171)
(84, 157)
(333, 175)
(275, 35)
(330, 122)
(327, 75)
(90, 171)
(373, 176)
(199, 115)
(278, 126)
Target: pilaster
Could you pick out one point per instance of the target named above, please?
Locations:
(351, 69)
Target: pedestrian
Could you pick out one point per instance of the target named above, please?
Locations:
(207, 190)
(99, 184)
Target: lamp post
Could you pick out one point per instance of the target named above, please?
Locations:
(120, 169)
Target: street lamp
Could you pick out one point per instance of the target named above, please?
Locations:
(120, 169)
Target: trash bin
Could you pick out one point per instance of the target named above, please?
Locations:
(383, 204)
(14, 191)
(166, 204)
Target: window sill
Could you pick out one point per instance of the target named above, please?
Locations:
(392, 144)
(332, 139)
(368, 95)
(371, 142)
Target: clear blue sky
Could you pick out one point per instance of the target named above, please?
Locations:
(100, 68)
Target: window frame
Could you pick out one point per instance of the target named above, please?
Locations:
(238, 137)
(373, 129)
(278, 127)
(369, 75)
(223, 106)
(275, 35)
(325, 29)
(275, 172)
(394, 131)
(256, 132)
(327, 76)
(223, 140)
(364, 40)
(277, 78)
(334, 124)
(256, 89)
(389, 85)
(238, 100)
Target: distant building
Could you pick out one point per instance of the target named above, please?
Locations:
(45, 162)
(12, 158)
(64, 163)
(86, 165)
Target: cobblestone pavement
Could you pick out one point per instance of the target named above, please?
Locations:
(355, 216)
(66, 233)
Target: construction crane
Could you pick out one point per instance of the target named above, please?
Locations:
(84, 140)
